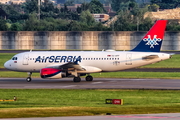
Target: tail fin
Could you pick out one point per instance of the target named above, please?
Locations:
(153, 39)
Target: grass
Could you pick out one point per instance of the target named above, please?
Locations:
(5, 57)
(169, 63)
(60, 102)
(162, 75)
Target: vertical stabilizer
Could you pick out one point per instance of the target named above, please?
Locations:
(152, 41)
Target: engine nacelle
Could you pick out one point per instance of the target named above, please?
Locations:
(52, 73)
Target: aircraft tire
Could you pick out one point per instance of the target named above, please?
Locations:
(77, 79)
(28, 79)
(89, 78)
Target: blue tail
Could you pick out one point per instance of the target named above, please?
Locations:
(153, 39)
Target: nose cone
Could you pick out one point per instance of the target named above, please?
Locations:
(7, 65)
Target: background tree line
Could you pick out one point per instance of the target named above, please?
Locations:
(24, 17)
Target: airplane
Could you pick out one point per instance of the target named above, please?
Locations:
(61, 64)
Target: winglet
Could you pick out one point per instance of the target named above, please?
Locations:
(152, 41)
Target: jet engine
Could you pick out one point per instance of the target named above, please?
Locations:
(52, 73)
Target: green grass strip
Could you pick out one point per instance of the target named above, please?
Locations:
(60, 102)
(120, 74)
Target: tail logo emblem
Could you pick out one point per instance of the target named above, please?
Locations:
(153, 41)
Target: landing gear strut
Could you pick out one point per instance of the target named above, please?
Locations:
(89, 78)
(28, 79)
(77, 79)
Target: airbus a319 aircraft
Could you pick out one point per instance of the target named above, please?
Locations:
(61, 64)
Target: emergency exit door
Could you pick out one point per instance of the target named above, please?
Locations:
(25, 59)
(128, 59)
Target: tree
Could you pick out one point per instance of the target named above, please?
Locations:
(3, 25)
(31, 24)
(74, 26)
(47, 6)
(96, 7)
(31, 6)
(146, 24)
(3, 13)
(87, 18)
(69, 2)
(61, 1)
(85, 6)
(166, 4)
(153, 7)
(116, 4)
(16, 27)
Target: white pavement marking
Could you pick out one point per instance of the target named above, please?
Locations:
(68, 86)
(96, 82)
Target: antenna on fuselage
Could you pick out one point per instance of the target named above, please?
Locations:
(31, 50)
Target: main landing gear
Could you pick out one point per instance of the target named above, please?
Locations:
(28, 79)
(89, 78)
(78, 79)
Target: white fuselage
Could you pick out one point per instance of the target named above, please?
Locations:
(100, 60)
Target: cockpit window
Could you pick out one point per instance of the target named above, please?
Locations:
(14, 58)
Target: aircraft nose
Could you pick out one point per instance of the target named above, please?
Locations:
(7, 65)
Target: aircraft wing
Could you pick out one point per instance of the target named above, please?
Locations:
(68, 66)
(72, 65)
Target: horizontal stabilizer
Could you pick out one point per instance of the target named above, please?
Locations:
(150, 57)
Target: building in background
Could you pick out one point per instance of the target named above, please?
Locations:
(17, 1)
(4, 1)
(143, 1)
(12, 1)
(101, 17)
(73, 8)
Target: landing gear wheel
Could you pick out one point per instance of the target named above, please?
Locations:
(28, 79)
(77, 79)
(89, 78)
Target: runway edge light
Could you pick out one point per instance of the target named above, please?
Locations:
(114, 101)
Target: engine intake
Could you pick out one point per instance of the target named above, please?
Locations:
(52, 73)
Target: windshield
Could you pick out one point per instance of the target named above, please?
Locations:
(14, 58)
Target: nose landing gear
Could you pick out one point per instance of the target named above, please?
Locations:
(28, 79)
